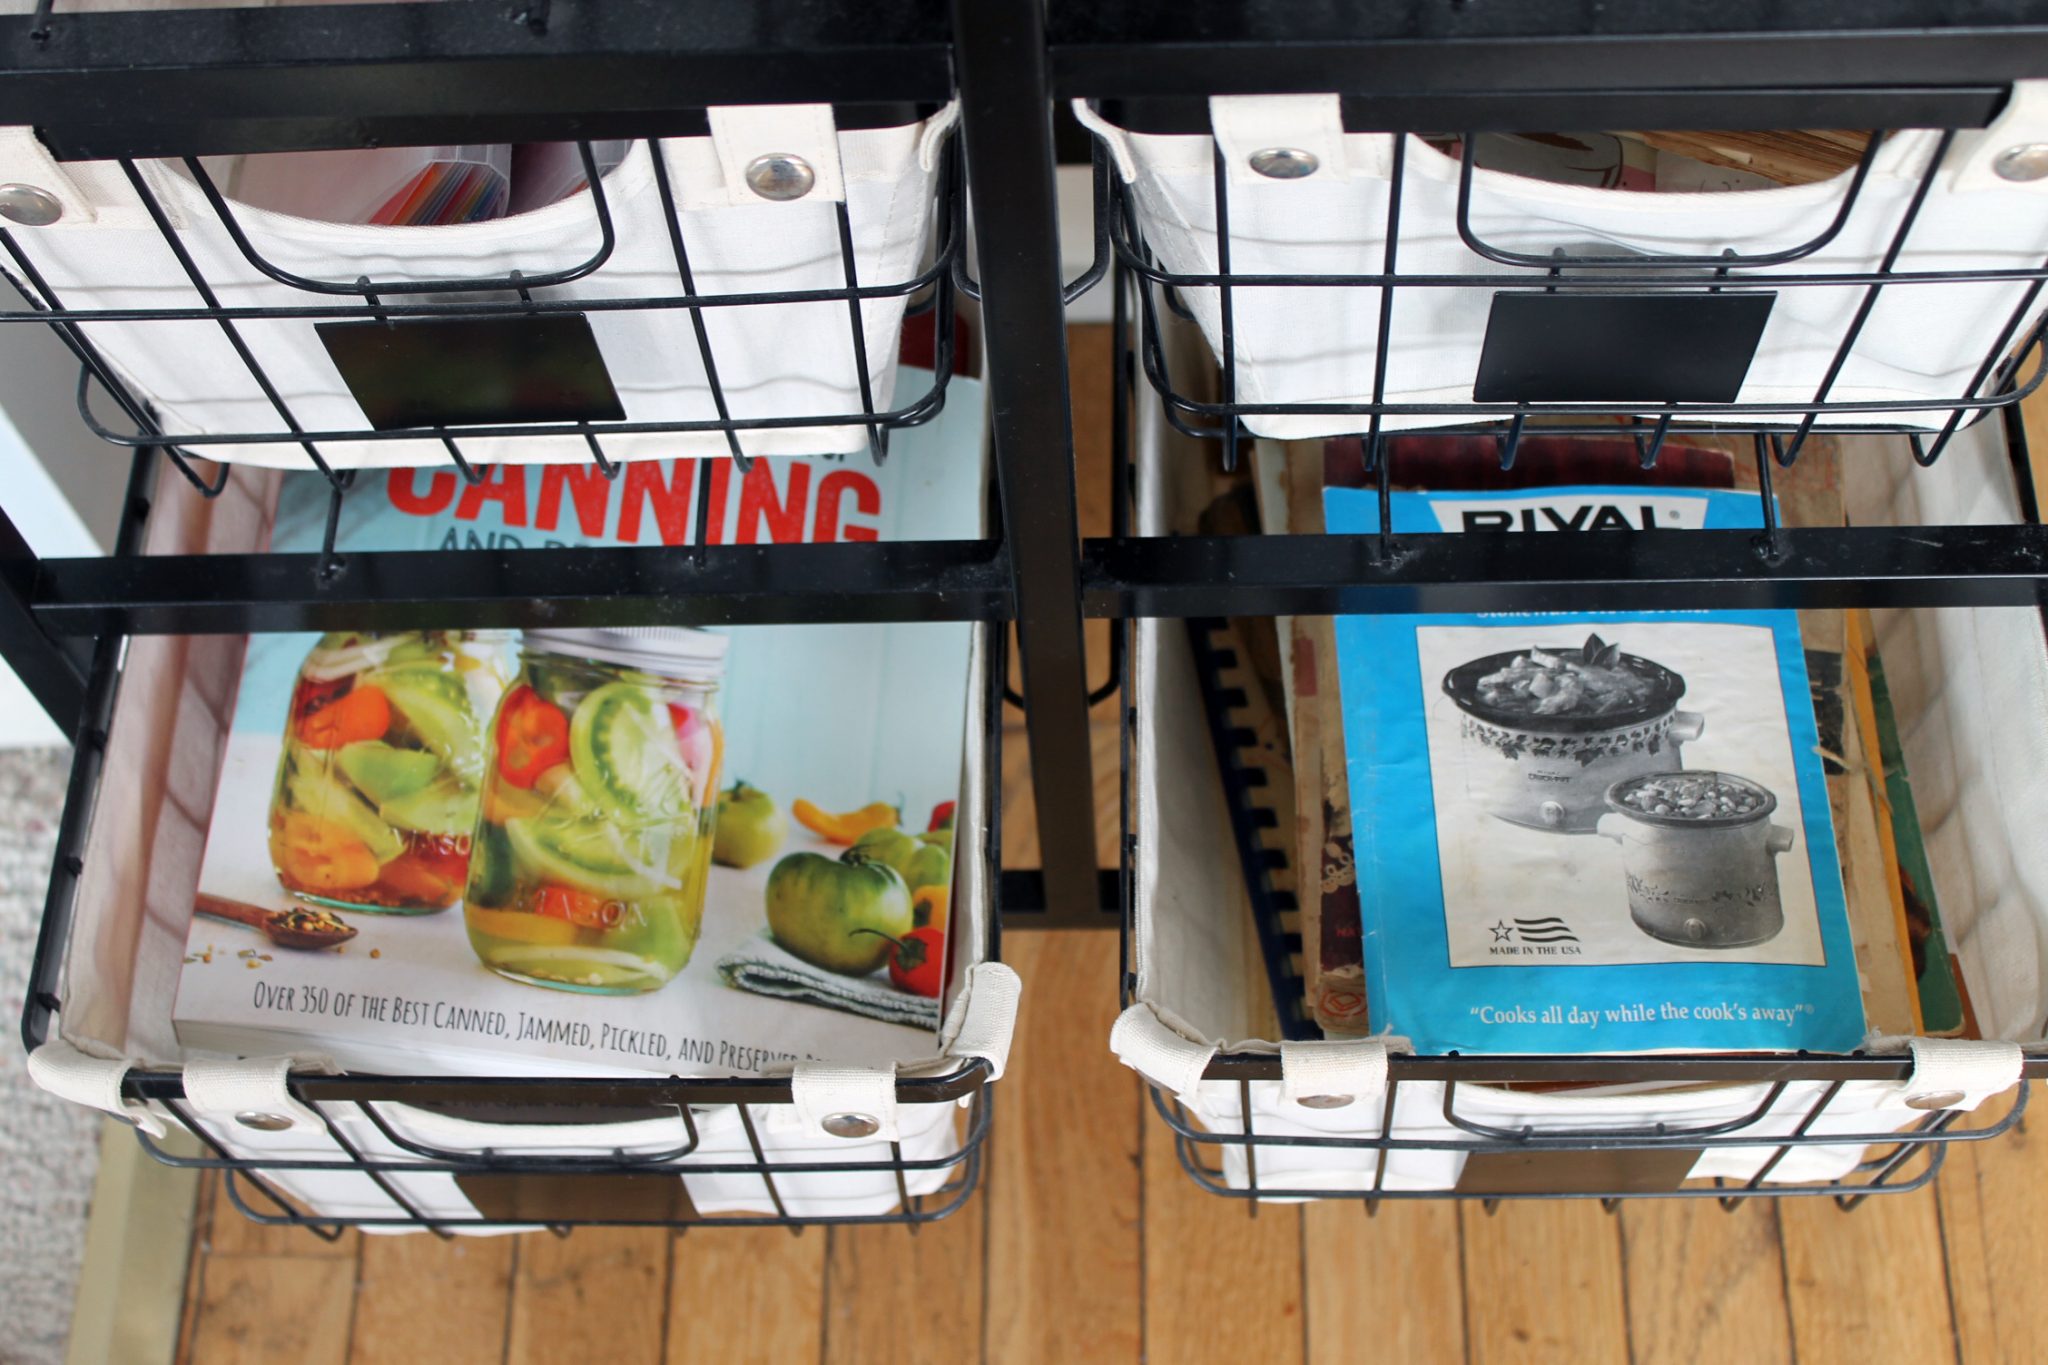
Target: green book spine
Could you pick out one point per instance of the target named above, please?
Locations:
(1941, 1002)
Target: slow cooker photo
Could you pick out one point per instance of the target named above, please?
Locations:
(1700, 852)
(1547, 729)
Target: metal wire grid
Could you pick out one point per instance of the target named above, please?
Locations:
(931, 289)
(1785, 426)
(108, 649)
(1888, 1171)
(274, 1208)
(43, 1002)
(1200, 1149)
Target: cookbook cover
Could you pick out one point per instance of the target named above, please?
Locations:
(662, 851)
(1590, 832)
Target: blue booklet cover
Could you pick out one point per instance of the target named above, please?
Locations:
(1590, 831)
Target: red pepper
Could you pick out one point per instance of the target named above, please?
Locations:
(533, 736)
(362, 713)
(942, 817)
(584, 909)
(917, 961)
(311, 695)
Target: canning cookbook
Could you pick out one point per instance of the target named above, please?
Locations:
(656, 849)
(1590, 832)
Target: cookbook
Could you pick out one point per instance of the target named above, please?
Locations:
(1592, 831)
(653, 850)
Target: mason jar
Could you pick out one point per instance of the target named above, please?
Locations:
(376, 794)
(600, 787)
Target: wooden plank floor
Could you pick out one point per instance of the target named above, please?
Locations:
(1088, 1243)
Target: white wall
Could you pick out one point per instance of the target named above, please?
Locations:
(61, 486)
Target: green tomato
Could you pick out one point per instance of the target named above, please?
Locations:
(314, 790)
(435, 705)
(446, 807)
(834, 914)
(929, 866)
(382, 772)
(622, 746)
(751, 827)
(887, 844)
(918, 861)
(588, 855)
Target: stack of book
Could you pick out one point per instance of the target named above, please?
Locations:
(1595, 832)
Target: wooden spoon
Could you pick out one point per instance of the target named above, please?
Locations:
(275, 924)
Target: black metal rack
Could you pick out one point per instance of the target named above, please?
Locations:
(1465, 70)
(1604, 1162)
(185, 85)
(255, 81)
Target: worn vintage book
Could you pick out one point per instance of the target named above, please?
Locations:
(1330, 912)
(654, 850)
(1935, 974)
(1591, 831)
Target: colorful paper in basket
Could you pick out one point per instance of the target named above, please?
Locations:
(1486, 936)
(840, 716)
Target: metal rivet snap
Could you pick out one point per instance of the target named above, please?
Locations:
(851, 1125)
(1325, 1101)
(1284, 163)
(780, 176)
(262, 1122)
(2028, 161)
(1939, 1099)
(29, 206)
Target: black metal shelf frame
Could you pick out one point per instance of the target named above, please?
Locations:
(131, 85)
(332, 1098)
(1896, 1162)
(1422, 68)
(128, 86)
(1151, 67)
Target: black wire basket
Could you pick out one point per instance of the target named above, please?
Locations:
(1568, 328)
(544, 378)
(926, 1176)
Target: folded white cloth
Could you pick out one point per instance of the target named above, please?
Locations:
(766, 968)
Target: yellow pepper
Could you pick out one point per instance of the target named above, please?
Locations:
(929, 907)
(842, 828)
(522, 926)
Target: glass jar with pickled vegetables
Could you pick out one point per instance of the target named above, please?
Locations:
(376, 792)
(600, 788)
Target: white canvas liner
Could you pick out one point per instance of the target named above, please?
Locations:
(1971, 690)
(133, 908)
(1302, 345)
(773, 360)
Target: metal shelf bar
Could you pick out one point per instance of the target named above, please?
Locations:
(1831, 567)
(1006, 127)
(101, 86)
(1562, 64)
(1515, 110)
(941, 580)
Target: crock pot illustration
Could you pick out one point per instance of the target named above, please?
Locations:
(1701, 856)
(1549, 729)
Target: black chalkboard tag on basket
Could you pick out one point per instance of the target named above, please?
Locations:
(411, 373)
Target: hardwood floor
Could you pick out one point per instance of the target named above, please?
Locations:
(1087, 1243)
